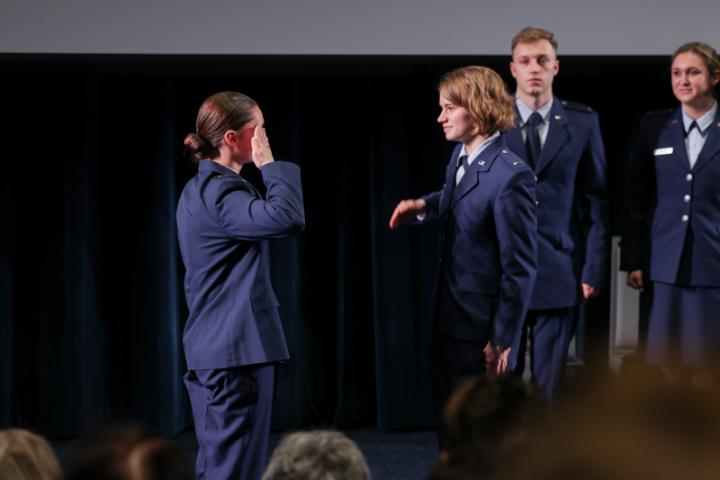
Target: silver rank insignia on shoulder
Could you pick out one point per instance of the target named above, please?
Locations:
(517, 162)
(504, 151)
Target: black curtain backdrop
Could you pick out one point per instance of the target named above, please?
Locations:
(91, 301)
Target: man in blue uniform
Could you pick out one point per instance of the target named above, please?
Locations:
(561, 142)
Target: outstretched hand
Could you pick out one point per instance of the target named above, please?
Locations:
(407, 211)
(261, 152)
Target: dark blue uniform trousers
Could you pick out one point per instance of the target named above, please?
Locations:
(550, 332)
(452, 360)
(232, 410)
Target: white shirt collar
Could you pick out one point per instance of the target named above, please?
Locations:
(526, 111)
(703, 122)
(473, 155)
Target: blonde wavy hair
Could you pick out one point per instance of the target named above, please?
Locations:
(483, 93)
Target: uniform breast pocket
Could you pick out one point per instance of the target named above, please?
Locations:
(473, 282)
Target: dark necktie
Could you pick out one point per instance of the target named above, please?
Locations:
(692, 125)
(532, 141)
(462, 166)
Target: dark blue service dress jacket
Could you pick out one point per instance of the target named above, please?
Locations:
(572, 214)
(223, 227)
(666, 198)
(487, 245)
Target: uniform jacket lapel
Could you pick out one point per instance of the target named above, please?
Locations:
(449, 181)
(712, 144)
(557, 135)
(471, 178)
(674, 135)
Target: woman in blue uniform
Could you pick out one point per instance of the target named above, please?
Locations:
(673, 197)
(233, 336)
(488, 233)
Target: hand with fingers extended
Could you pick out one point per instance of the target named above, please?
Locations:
(496, 358)
(407, 211)
(261, 152)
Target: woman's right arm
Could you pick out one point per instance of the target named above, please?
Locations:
(280, 214)
(246, 216)
(639, 184)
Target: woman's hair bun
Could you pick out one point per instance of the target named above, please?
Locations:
(197, 146)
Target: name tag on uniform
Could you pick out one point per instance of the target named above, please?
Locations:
(663, 151)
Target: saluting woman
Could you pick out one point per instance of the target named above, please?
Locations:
(233, 336)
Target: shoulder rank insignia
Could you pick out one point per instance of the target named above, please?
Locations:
(576, 106)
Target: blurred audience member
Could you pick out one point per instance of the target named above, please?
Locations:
(486, 420)
(317, 455)
(26, 456)
(492, 413)
(128, 452)
(631, 430)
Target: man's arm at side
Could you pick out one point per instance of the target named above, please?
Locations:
(594, 200)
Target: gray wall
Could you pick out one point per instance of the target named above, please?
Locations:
(421, 27)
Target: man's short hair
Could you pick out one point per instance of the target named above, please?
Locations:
(533, 34)
(483, 93)
(317, 455)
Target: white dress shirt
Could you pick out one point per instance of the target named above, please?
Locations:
(695, 138)
(474, 155)
(525, 113)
